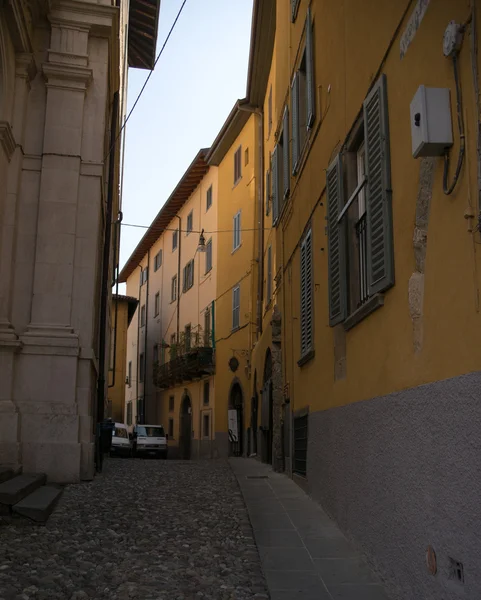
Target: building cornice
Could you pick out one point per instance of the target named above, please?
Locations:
(67, 76)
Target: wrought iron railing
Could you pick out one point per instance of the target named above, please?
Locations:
(192, 364)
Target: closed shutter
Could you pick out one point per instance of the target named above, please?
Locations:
(275, 186)
(236, 307)
(306, 294)
(285, 154)
(295, 122)
(311, 87)
(268, 192)
(336, 245)
(380, 256)
(269, 274)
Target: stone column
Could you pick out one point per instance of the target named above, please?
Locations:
(11, 157)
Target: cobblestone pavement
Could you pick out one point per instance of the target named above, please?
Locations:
(143, 530)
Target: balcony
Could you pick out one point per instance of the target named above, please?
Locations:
(189, 365)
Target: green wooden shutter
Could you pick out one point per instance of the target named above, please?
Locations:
(311, 86)
(380, 255)
(295, 122)
(307, 307)
(275, 186)
(336, 245)
(268, 191)
(285, 154)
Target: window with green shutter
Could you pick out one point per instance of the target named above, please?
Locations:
(360, 239)
(307, 304)
(284, 141)
(275, 186)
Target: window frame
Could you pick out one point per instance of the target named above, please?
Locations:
(206, 420)
(189, 223)
(208, 256)
(157, 304)
(238, 165)
(236, 230)
(236, 307)
(188, 276)
(173, 288)
(157, 261)
(208, 198)
(143, 316)
(175, 240)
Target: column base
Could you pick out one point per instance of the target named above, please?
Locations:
(59, 460)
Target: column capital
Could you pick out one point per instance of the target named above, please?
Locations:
(25, 66)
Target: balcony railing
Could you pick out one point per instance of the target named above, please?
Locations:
(191, 364)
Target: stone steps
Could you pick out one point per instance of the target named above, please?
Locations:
(24, 498)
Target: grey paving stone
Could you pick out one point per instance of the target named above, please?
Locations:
(285, 559)
(294, 581)
(271, 521)
(334, 571)
(269, 508)
(278, 538)
(317, 593)
(335, 546)
(357, 592)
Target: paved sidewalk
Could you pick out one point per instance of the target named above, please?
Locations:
(304, 555)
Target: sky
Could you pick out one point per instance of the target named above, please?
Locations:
(200, 75)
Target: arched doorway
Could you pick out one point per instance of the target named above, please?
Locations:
(185, 441)
(236, 433)
(266, 411)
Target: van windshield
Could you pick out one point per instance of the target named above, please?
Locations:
(121, 433)
(150, 431)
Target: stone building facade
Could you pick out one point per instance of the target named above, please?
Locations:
(62, 78)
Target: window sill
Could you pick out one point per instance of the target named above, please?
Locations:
(234, 329)
(306, 358)
(207, 272)
(364, 311)
(235, 249)
(236, 183)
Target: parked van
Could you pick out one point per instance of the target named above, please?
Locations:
(121, 442)
(150, 440)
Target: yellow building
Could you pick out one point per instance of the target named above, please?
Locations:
(122, 309)
(170, 354)
(377, 276)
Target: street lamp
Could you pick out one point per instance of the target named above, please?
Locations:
(201, 247)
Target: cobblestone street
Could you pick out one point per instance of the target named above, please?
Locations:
(145, 530)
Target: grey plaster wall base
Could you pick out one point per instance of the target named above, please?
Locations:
(401, 472)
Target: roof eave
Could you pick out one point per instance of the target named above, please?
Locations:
(238, 117)
(143, 28)
(260, 54)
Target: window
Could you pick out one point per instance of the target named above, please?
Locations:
(207, 331)
(157, 304)
(129, 374)
(171, 428)
(144, 275)
(175, 237)
(129, 413)
(188, 337)
(208, 256)
(206, 392)
(269, 113)
(236, 307)
(190, 222)
(303, 98)
(171, 403)
(208, 200)
(155, 354)
(281, 176)
(268, 190)
(237, 164)
(173, 289)
(188, 276)
(206, 425)
(307, 305)
(360, 241)
(237, 231)
(269, 276)
(141, 368)
(246, 157)
(142, 315)
(158, 260)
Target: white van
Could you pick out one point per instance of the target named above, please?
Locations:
(150, 440)
(121, 442)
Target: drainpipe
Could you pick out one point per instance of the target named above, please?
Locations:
(139, 307)
(144, 401)
(115, 269)
(104, 289)
(179, 237)
(260, 195)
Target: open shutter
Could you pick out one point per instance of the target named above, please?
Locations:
(307, 307)
(294, 7)
(336, 245)
(285, 154)
(311, 88)
(275, 186)
(295, 122)
(380, 263)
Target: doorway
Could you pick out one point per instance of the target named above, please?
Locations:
(185, 441)
(235, 419)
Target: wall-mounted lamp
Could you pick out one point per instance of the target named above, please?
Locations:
(201, 246)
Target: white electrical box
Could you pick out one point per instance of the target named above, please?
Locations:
(431, 126)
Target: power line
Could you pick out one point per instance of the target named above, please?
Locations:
(147, 79)
(193, 230)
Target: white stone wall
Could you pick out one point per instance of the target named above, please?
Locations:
(58, 73)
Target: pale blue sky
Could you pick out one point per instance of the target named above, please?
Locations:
(199, 76)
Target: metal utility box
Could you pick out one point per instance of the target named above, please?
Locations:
(431, 126)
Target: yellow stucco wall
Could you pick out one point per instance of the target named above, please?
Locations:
(116, 393)
(236, 268)
(350, 42)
